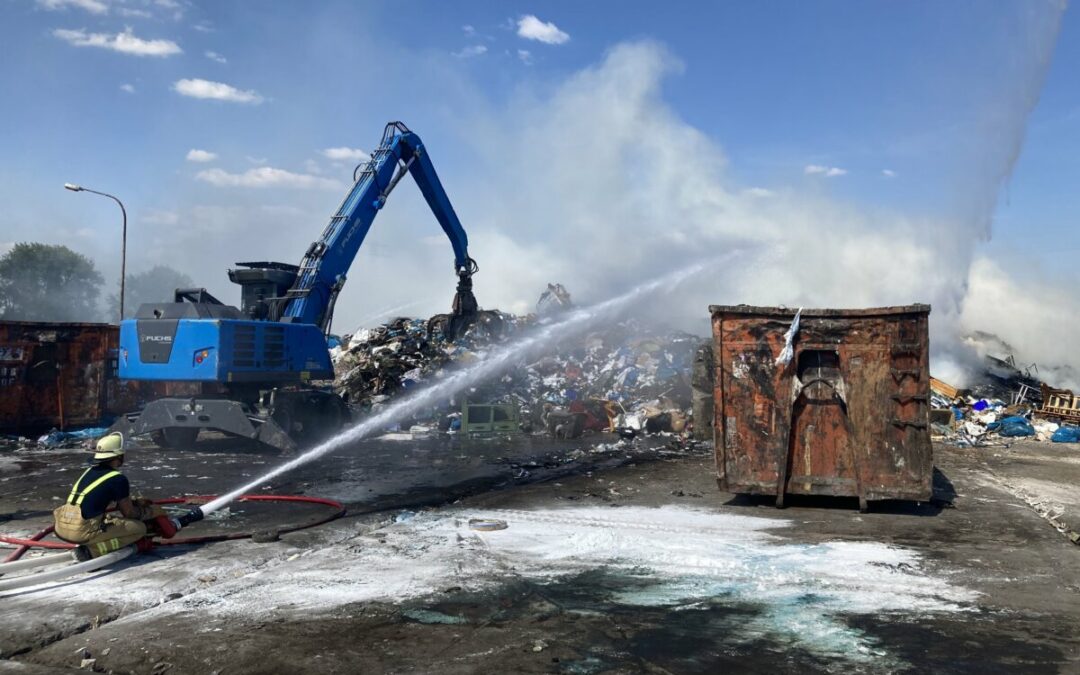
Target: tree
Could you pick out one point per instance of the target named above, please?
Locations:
(154, 285)
(42, 282)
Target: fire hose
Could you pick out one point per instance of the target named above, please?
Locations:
(12, 563)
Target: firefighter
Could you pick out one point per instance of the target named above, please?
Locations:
(83, 519)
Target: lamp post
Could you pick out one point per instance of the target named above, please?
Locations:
(123, 239)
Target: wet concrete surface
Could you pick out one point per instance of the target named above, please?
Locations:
(987, 585)
(365, 473)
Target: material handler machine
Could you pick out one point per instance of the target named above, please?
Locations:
(264, 356)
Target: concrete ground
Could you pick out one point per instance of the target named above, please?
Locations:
(622, 558)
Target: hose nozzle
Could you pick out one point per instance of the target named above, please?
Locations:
(192, 516)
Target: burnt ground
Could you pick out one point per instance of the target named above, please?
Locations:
(623, 559)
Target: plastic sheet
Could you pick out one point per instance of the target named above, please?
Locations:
(788, 352)
(1066, 434)
(1012, 427)
(55, 439)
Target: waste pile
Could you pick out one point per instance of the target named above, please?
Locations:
(626, 377)
(1000, 409)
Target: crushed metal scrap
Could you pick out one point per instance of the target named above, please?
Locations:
(625, 377)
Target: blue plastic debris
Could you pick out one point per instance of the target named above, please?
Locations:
(57, 438)
(980, 406)
(1066, 434)
(1012, 427)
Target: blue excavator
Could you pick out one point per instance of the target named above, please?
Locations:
(263, 358)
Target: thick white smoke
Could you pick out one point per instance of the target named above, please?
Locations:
(602, 184)
(597, 182)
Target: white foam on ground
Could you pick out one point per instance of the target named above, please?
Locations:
(669, 556)
(674, 556)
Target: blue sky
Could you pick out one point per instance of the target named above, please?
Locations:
(880, 114)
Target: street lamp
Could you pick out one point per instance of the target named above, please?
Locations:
(123, 240)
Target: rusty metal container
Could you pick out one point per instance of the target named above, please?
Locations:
(63, 375)
(847, 416)
(53, 374)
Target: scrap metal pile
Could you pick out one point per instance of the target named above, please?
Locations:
(627, 377)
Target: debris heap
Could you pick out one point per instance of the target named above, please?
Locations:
(625, 377)
(1004, 406)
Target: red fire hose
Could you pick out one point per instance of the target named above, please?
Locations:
(35, 541)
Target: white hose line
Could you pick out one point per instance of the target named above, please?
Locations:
(64, 572)
(39, 561)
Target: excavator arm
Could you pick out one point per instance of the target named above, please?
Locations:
(322, 272)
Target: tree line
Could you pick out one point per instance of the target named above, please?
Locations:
(46, 282)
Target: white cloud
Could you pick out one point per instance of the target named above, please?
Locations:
(129, 88)
(532, 28)
(147, 9)
(195, 155)
(526, 56)
(92, 6)
(344, 154)
(219, 91)
(203, 27)
(472, 50)
(759, 192)
(256, 160)
(134, 13)
(827, 171)
(214, 56)
(468, 30)
(311, 166)
(265, 176)
(888, 173)
(125, 43)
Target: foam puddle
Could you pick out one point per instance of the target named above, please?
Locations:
(668, 557)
